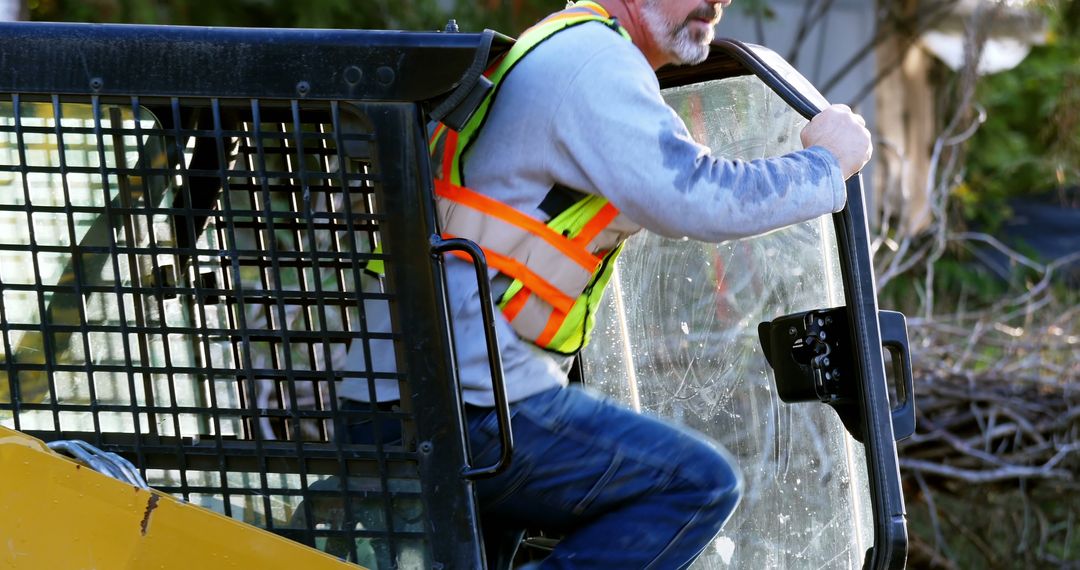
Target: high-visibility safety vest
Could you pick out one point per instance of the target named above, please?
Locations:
(559, 267)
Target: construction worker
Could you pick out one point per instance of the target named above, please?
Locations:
(575, 151)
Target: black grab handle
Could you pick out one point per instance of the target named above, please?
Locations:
(894, 338)
(487, 312)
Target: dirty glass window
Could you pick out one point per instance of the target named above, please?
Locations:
(678, 337)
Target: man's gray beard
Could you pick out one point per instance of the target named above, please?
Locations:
(675, 41)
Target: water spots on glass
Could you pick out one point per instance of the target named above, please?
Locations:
(689, 348)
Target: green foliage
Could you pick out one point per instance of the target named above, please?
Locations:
(957, 282)
(1010, 529)
(757, 8)
(394, 14)
(1030, 142)
(507, 16)
(962, 282)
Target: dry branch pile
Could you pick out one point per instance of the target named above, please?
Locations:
(998, 409)
(988, 430)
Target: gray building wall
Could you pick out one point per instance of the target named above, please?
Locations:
(10, 10)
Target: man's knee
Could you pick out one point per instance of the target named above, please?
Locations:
(710, 489)
(719, 480)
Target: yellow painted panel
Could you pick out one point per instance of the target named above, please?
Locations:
(55, 513)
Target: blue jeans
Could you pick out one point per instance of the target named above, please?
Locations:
(628, 490)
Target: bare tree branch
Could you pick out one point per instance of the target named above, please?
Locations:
(1007, 473)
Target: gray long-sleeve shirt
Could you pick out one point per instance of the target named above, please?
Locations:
(584, 110)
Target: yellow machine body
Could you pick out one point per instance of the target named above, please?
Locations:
(57, 513)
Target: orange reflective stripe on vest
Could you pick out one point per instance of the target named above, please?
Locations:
(596, 225)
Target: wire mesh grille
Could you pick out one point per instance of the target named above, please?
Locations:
(181, 282)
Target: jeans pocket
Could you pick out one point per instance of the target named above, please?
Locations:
(484, 428)
(484, 432)
(485, 420)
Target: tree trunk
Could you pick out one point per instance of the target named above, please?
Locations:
(907, 127)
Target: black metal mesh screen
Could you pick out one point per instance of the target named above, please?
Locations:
(182, 281)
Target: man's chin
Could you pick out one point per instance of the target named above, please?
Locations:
(691, 58)
(691, 53)
(699, 57)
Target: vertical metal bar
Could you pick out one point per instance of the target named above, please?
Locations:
(258, 187)
(282, 153)
(424, 350)
(335, 255)
(238, 302)
(152, 202)
(890, 520)
(340, 428)
(114, 255)
(191, 253)
(48, 351)
(258, 164)
(297, 223)
(76, 255)
(10, 365)
(624, 335)
(133, 230)
(232, 267)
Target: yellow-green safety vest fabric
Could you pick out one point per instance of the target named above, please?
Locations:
(561, 297)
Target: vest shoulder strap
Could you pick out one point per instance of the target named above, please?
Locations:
(577, 14)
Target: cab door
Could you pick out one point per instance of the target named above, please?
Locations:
(734, 339)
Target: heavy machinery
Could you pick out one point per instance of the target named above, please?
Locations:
(189, 215)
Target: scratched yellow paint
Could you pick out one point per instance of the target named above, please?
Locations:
(55, 513)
